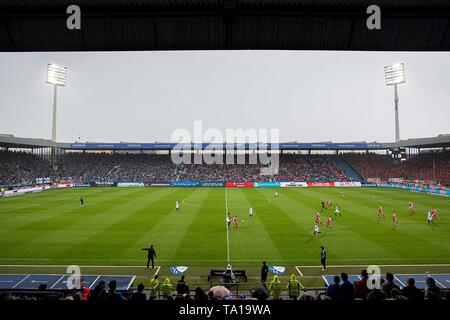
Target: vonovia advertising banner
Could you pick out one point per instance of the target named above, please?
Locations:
(213, 184)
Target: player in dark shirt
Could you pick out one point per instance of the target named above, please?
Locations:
(81, 201)
(323, 258)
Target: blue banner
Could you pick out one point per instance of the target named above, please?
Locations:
(213, 184)
(239, 146)
(278, 270)
(445, 192)
(267, 184)
(178, 269)
(185, 184)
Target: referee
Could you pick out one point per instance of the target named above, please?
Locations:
(323, 258)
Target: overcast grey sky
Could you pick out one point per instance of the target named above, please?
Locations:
(143, 96)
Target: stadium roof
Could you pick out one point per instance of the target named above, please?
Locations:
(9, 141)
(39, 25)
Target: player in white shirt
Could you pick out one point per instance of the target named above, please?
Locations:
(250, 212)
(228, 219)
(316, 228)
(430, 217)
(177, 205)
(276, 194)
(337, 212)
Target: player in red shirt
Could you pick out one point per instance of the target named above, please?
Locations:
(434, 214)
(329, 222)
(318, 219)
(380, 213)
(394, 217)
(411, 208)
(235, 223)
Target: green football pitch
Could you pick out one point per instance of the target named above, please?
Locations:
(43, 232)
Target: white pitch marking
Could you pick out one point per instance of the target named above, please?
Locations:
(21, 281)
(381, 265)
(65, 266)
(298, 270)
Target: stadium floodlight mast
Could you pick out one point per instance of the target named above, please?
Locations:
(56, 76)
(393, 76)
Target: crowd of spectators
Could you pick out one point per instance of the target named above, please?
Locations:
(149, 167)
(115, 167)
(20, 167)
(420, 167)
(341, 290)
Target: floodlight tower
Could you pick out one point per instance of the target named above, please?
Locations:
(393, 76)
(56, 76)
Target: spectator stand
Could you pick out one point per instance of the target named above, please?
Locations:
(442, 279)
(56, 282)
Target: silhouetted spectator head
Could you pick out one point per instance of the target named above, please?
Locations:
(140, 287)
(431, 283)
(410, 282)
(344, 277)
(112, 285)
(364, 274)
(389, 277)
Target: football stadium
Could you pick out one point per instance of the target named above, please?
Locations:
(130, 194)
(187, 218)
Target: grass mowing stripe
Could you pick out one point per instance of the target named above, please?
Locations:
(197, 220)
(256, 238)
(168, 234)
